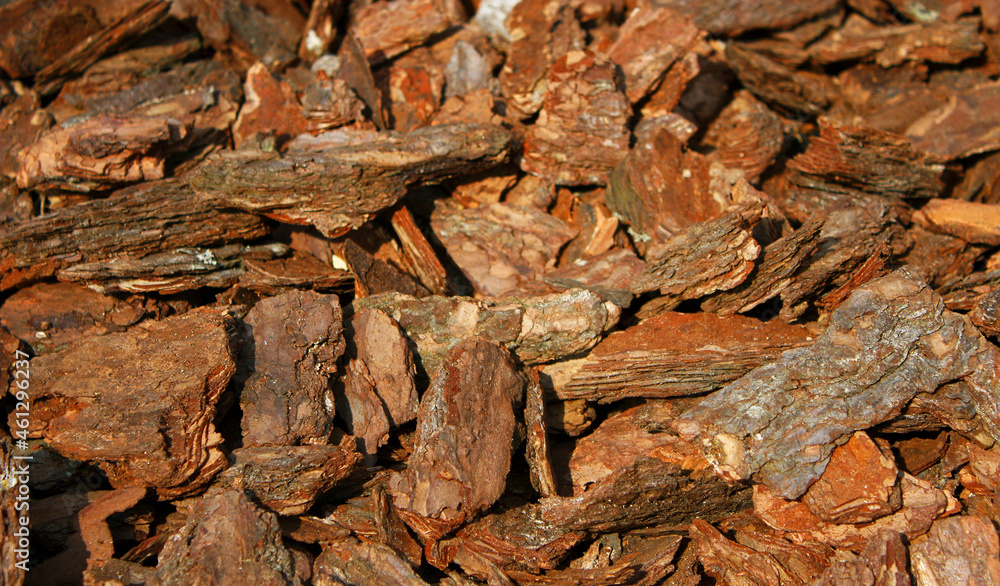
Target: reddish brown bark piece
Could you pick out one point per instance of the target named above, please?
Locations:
(649, 42)
(861, 161)
(501, 248)
(661, 189)
(964, 126)
(747, 135)
(373, 518)
(150, 218)
(350, 561)
(780, 85)
(373, 276)
(226, 540)
(673, 354)
(289, 479)
(387, 29)
(986, 313)
(342, 187)
(706, 257)
(420, 253)
(890, 99)
(858, 485)
(541, 31)
(144, 412)
(732, 18)
(50, 316)
(466, 427)
(270, 107)
(379, 343)
(776, 423)
(362, 411)
(581, 132)
(266, 31)
(297, 338)
(94, 522)
(537, 450)
(960, 550)
(21, 125)
(883, 563)
(300, 271)
(890, 46)
(537, 329)
(977, 223)
(735, 563)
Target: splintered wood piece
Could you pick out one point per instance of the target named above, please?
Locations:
(582, 130)
(855, 160)
(387, 29)
(289, 479)
(501, 248)
(378, 342)
(889, 46)
(146, 422)
(780, 85)
(977, 223)
(650, 41)
(466, 428)
(340, 188)
(253, 552)
(420, 253)
(661, 188)
(775, 270)
(883, 562)
(537, 329)
(537, 451)
(149, 218)
(965, 125)
(297, 339)
(746, 135)
(540, 31)
(963, 550)
(891, 339)
(102, 152)
(725, 17)
(858, 485)
(351, 561)
(673, 354)
(921, 505)
(710, 256)
(321, 29)
(53, 315)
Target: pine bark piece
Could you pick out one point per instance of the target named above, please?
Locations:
(298, 271)
(350, 561)
(673, 354)
(661, 189)
(537, 329)
(359, 406)
(962, 550)
(858, 485)
(966, 125)
(420, 253)
(145, 421)
(537, 451)
(266, 31)
(732, 18)
(297, 339)
(730, 562)
(582, 130)
(321, 29)
(22, 123)
(373, 518)
(710, 256)
(380, 344)
(890, 330)
(466, 427)
(891, 99)
(288, 479)
(226, 540)
(778, 84)
(860, 161)
(103, 152)
(649, 42)
(388, 29)
(977, 223)
(604, 274)
(883, 562)
(373, 276)
(145, 219)
(986, 313)
(337, 189)
(501, 248)
(270, 106)
(746, 135)
(775, 270)
(890, 46)
(93, 521)
(540, 31)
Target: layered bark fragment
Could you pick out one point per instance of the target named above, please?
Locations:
(732, 18)
(467, 422)
(297, 339)
(965, 125)
(891, 339)
(144, 412)
(649, 42)
(960, 549)
(342, 187)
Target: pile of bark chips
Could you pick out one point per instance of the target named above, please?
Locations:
(552, 292)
